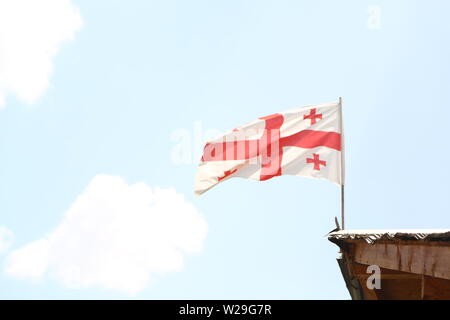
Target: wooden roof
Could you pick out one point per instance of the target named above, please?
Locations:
(414, 264)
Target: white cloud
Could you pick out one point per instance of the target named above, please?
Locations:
(6, 238)
(115, 236)
(31, 33)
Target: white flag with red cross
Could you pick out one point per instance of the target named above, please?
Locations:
(304, 142)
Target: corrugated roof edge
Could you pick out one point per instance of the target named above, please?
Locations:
(372, 236)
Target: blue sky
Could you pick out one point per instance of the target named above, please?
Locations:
(138, 71)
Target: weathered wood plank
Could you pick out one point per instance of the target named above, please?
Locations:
(432, 261)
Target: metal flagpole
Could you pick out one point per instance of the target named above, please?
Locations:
(342, 169)
(342, 207)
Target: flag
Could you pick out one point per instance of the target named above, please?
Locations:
(306, 142)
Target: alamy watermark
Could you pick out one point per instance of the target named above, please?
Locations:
(374, 280)
(374, 17)
(254, 145)
(189, 143)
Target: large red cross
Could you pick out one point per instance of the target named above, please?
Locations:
(317, 162)
(313, 116)
(269, 146)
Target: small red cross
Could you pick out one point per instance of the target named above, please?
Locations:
(313, 116)
(317, 162)
(226, 174)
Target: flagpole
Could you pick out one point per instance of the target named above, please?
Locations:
(342, 207)
(342, 169)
